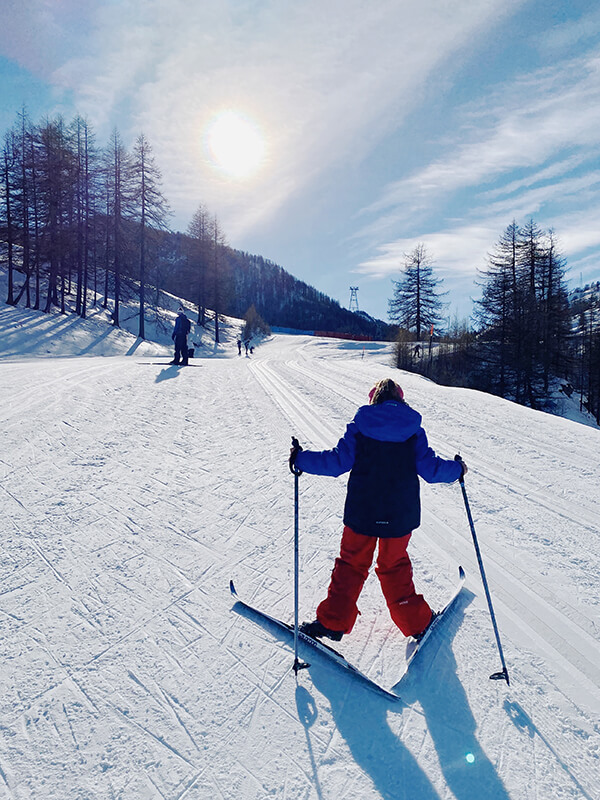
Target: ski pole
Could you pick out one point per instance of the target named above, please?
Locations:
(298, 664)
(503, 674)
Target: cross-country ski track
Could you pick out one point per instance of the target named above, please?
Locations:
(133, 492)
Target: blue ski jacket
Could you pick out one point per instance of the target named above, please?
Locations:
(182, 326)
(385, 449)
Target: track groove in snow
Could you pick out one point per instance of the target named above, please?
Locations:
(133, 496)
(569, 643)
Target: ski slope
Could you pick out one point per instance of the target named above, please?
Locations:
(133, 491)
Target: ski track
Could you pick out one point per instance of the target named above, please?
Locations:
(124, 672)
(573, 644)
(564, 633)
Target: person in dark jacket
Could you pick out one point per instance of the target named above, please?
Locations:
(179, 336)
(385, 449)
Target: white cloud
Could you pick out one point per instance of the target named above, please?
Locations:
(579, 232)
(555, 170)
(521, 126)
(458, 252)
(545, 126)
(574, 190)
(324, 80)
(36, 34)
(570, 34)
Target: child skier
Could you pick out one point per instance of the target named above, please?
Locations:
(386, 450)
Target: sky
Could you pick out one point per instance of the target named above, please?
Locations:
(333, 136)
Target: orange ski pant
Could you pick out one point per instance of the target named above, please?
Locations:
(338, 611)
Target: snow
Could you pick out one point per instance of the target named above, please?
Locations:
(132, 491)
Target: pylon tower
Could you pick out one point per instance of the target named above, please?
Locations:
(353, 298)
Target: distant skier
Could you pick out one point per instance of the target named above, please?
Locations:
(247, 345)
(239, 344)
(386, 450)
(180, 332)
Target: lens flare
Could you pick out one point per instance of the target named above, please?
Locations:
(235, 144)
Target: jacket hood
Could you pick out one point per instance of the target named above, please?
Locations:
(388, 422)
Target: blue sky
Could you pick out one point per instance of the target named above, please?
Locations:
(376, 126)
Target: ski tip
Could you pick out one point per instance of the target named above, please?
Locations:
(461, 573)
(232, 588)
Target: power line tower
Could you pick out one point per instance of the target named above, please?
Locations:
(353, 298)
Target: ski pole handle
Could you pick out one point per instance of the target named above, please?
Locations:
(457, 457)
(296, 447)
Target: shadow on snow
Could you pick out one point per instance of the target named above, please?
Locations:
(362, 718)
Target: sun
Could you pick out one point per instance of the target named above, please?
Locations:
(235, 144)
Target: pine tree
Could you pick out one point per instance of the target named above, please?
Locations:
(24, 206)
(416, 304)
(499, 313)
(199, 250)
(151, 209)
(254, 324)
(219, 274)
(523, 315)
(86, 174)
(118, 188)
(555, 312)
(8, 162)
(54, 178)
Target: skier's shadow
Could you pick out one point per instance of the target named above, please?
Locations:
(362, 719)
(468, 771)
(171, 371)
(360, 716)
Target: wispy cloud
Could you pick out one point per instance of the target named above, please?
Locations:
(543, 128)
(325, 81)
(572, 34)
(463, 250)
(521, 126)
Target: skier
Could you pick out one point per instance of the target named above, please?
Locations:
(239, 344)
(386, 450)
(179, 336)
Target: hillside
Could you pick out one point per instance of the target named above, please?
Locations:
(25, 332)
(280, 298)
(132, 492)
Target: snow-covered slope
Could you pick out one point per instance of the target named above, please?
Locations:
(131, 493)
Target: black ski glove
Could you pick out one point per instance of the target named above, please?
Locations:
(465, 469)
(294, 450)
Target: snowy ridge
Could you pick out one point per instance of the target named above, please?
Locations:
(132, 492)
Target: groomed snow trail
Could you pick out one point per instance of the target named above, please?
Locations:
(566, 632)
(131, 494)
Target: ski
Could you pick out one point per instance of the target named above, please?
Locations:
(165, 364)
(324, 649)
(418, 646)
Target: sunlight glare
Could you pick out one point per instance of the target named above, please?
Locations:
(236, 144)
